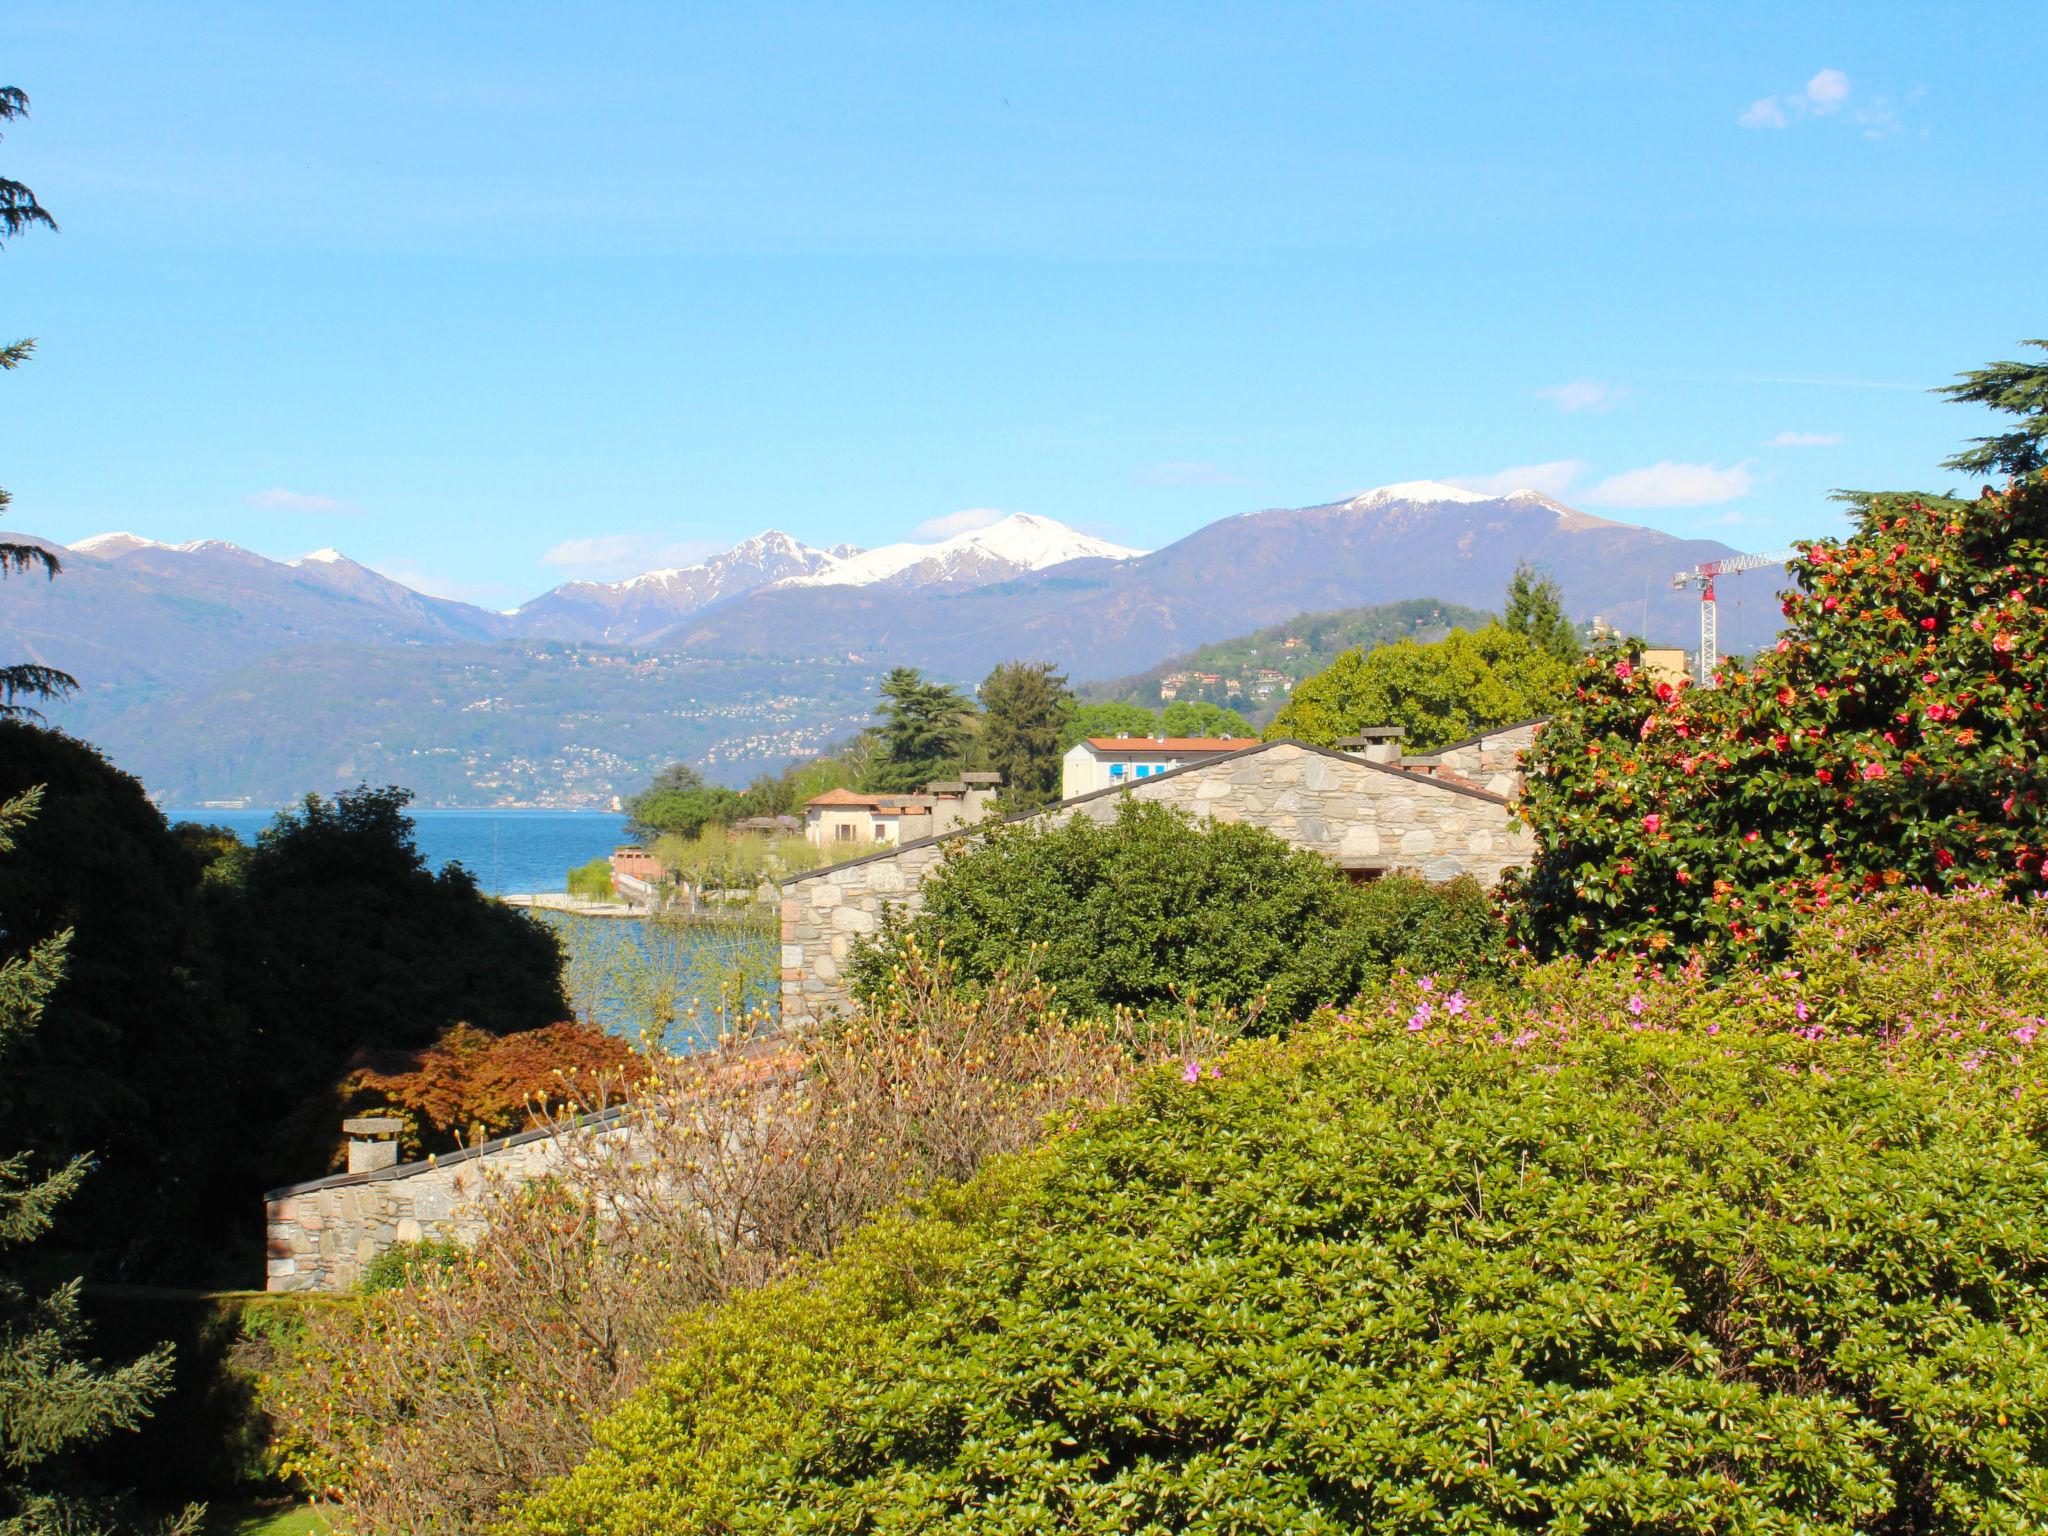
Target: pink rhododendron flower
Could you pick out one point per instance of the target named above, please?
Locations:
(1636, 1005)
(1192, 1073)
(1455, 1005)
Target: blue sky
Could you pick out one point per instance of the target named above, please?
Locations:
(493, 296)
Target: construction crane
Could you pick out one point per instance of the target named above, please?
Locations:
(1702, 576)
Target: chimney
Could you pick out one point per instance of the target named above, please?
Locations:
(1376, 743)
(372, 1142)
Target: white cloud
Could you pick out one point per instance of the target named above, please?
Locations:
(1672, 484)
(1188, 472)
(1826, 91)
(1552, 479)
(1583, 395)
(948, 524)
(1826, 94)
(1803, 440)
(627, 553)
(278, 499)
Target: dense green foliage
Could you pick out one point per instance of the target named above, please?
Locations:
(1895, 735)
(2019, 389)
(1023, 705)
(1155, 904)
(1624, 1252)
(54, 1400)
(678, 802)
(1465, 683)
(1322, 638)
(1535, 611)
(215, 994)
(924, 733)
(592, 881)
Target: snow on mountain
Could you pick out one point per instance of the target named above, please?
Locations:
(109, 546)
(1017, 544)
(629, 611)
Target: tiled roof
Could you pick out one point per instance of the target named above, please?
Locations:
(1155, 746)
(843, 797)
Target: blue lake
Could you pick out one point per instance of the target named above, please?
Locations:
(511, 853)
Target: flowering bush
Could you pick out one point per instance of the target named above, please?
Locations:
(1628, 1250)
(422, 1409)
(1895, 736)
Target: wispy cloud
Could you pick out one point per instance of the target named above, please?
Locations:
(966, 520)
(1827, 94)
(1188, 472)
(278, 499)
(1670, 483)
(627, 554)
(1803, 440)
(1583, 395)
(1553, 478)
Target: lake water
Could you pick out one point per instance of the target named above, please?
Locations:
(511, 853)
(659, 981)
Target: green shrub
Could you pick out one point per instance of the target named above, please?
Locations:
(1623, 1250)
(1155, 904)
(403, 1263)
(592, 881)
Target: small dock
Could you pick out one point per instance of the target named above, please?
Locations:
(562, 901)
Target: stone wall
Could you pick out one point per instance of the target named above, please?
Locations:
(320, 1236)
(1362, 816)
(1493, 761)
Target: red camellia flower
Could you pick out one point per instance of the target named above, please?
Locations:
(1666, 693)
(1873, 770)
(1830, 604)
(1824, 775)
(1624, 671)
(1943, 858)
(1652, 823)
(2002, 643)
(1927, 623)
(1787, 697)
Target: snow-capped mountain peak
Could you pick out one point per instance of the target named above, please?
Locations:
(107, 546)
(323, 557)
(1013, 545)
(1422, 492)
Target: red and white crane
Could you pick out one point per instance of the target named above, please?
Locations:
(1702, 576)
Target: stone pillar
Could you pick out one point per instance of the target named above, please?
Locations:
(372, 1142)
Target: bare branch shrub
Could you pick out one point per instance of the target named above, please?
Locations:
(428, 1408)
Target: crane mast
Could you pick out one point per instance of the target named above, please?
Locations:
(1702, 576)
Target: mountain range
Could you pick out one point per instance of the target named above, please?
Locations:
(197, 659)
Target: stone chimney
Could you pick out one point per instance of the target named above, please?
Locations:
(1376, 744)
(981, 789)
(372, 1142)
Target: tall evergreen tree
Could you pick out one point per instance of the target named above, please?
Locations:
(1023, 706)
(1535, 609)
(51, 1399)
(19, 212)
(2020, 389)
(924, 732)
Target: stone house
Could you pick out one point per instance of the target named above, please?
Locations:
(1369, 817)
(848, 816)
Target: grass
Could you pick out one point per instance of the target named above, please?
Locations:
(270, 1519)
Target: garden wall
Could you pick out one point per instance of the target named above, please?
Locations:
(1362, 816)
(321, 1235)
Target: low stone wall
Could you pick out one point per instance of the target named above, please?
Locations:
(1493, 761)
(321, 1235)
(1360, 815)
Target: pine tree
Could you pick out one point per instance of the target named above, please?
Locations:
(924, 732)
(51, 1399)
(2020, 389)
(1023, 707)
(19, 212)
(1535, 608)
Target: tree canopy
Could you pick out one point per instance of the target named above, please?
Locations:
(1023, 706)
(924, 732)
(1535, 610)
(1198, 717)
(20, 212)
(1112, 717)
(1469, 681)
(2019, 389)
(679, 802)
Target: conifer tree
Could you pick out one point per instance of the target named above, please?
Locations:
(1023, 707)
(51, 1398)
(923, 735)
(19, 212)
(2020, 389)
(1535, 610)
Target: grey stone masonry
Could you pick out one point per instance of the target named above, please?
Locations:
(320, 1236)
(1492, 760)
(1361, 815)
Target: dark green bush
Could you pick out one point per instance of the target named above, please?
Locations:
(1153, 905)
(1632, 1253)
